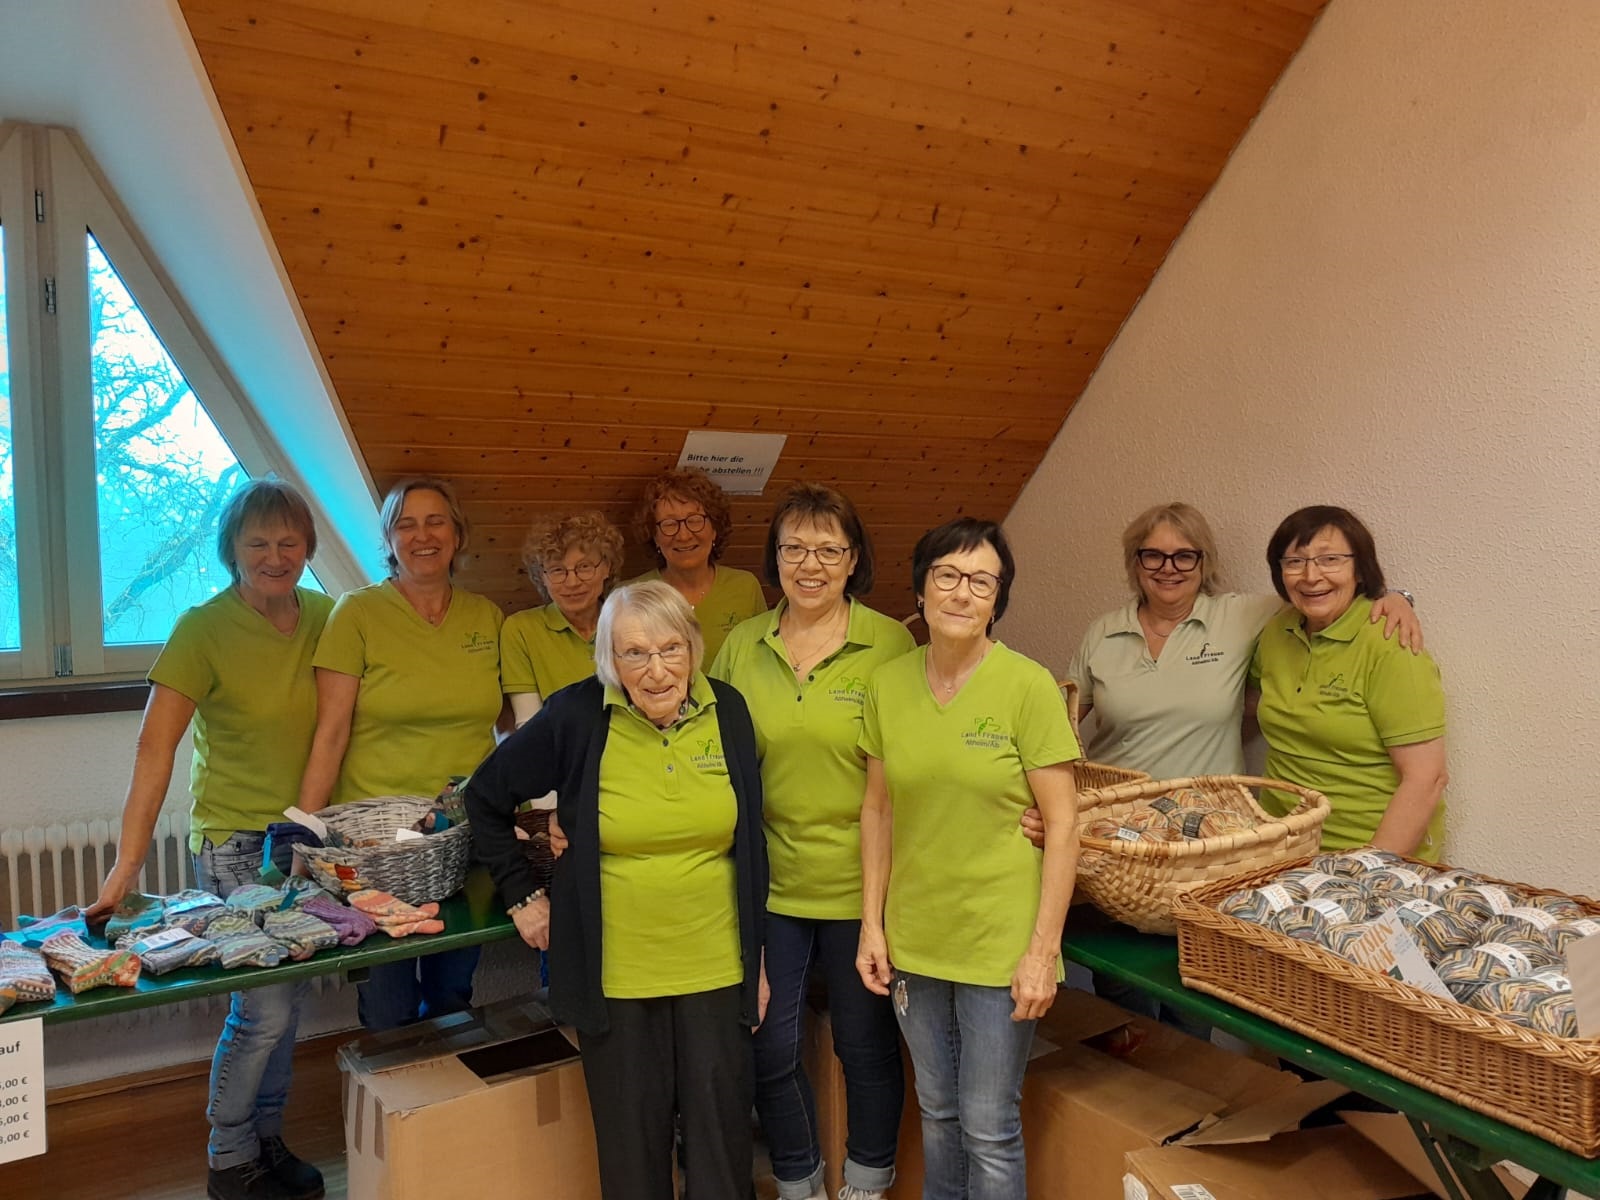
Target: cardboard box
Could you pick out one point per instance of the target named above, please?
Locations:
(474, 1104)
(827, 1086)
(1330, 1163)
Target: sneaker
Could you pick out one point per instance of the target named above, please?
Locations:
(851, 1192)
(247, 1181)
(299, 1178)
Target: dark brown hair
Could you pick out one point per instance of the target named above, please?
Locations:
(953, 537)
(817, 504)
(686, 484)
(1300, 526)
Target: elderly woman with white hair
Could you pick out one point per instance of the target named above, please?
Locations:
(654, 921)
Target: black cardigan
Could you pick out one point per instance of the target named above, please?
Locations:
(560, 750)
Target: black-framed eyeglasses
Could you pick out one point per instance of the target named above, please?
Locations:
(1297, 565)
(1155, 560)
(981, 584)
(634, 658)
(794, 553)
(585, 571)
(694, 523)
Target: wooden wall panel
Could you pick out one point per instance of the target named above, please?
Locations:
(537, 243)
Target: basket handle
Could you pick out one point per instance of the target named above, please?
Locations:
(1069, 692)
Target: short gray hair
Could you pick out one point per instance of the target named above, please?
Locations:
(395, 501)
(662, 608)
(263, 502)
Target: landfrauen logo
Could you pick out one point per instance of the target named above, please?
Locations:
(479, 643)
(985, 734)
(1335, 687)
(1204, 655)
(851, 689)
(707, 755)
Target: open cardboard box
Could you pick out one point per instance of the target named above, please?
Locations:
(473, 1104)
(1333, 1162)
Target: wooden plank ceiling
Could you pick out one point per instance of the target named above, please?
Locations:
(538, 242)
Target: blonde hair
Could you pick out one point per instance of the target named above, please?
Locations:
(553, 538)
(1190, 524)
(395, 500)
(662, 609)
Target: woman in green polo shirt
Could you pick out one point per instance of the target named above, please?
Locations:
(653, 923)
(685, 520)
(408, 693)
(542, 650)
(961, 916)
(803, 669)
(238, 667)
(1344, 711)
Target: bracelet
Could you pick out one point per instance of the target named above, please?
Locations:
(536, 894)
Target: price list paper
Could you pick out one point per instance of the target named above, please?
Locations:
(22, 1129)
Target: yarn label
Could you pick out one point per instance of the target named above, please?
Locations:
(1277, 897)
(1124, 834)
(1498, 899)
(1509, 957)
(1556, 981)
(1331, 909)
(22, 1127)
(160, 941)
(1369, 860)
(1312, 880)
(1536, 917)
(1585, 926)
(1408, 878)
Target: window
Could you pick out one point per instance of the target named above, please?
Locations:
(120, 438)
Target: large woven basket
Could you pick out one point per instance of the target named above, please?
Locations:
(535, 822)
(1088, 774)
(362, 849)
(1546, 1085)
(1138, 882)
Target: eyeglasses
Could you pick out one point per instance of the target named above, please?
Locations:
(1183, 560)
(673, 655)
(585, 571)
(694, 523)
(794, 553)
(1325, 562)
(980, 583)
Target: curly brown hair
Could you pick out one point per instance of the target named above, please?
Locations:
(552, 538)
(686, 484)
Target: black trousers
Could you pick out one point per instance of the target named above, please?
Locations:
(672, 1057)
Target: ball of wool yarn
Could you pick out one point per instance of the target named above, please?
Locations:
(1342, 937)
(1556, 1015)
(1193, 823)
(1466, 970)
(1135, 826)
(1537, 949)
(1349, 895)
(1567, 932)
(1436, 930)
(1353, 863)
(1309, 880)
(1313, 920)
(1564, 907)
(1259, 905)
(1391, 879)
(1516, 998)
(1480, 901)
(1441, 882)
(1520, 924)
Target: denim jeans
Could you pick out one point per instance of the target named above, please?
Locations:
(416, 989)
(969, 1057)
(864, 1038)
(255, 1054)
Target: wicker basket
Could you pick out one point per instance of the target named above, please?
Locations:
(1138, 882)
(361, 850)
(1088, 774)
(1546, 1085)
(535, 822)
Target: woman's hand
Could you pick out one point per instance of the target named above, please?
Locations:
(558, 837)
(533, 923)
(119, 882)
(1397, 615)
(872, 961)
(763, 995)
(1032, 823)
(1033, 986)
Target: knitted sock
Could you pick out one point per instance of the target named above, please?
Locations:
(297, 891)
(24, 977)
(300, 933)
(254, 898)
(352, 924)
(82, 967)
(386, 909)
(33, 931)
(191, 909)
(241, 943)
(400, 929)
(134, 911)
(169, 949)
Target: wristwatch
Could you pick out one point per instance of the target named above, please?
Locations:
(1405, 595)
(536, 894)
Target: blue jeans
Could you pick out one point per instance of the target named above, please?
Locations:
(969, 1057)
(255, 1055)
(865, 1040)
(416, 989)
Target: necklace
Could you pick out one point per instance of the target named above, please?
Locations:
(832, 637)
(948, 687)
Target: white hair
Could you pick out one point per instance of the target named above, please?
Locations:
(661, 609)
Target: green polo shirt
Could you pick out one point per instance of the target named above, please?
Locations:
(429, 694)
(1332, 703)
(735, 596)
(541, 652)
(812, 768)
(669, 920)
(964, 886)
(1179, 714)
(255, 701)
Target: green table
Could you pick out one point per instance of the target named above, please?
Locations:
(1472, 1141)
(472, 917)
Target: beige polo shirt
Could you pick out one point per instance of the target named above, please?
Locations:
(1180, 714)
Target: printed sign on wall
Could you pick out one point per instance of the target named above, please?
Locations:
(739, 463)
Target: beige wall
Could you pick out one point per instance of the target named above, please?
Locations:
(1390, 300)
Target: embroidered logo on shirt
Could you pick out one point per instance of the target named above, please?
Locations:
(852, 689)
(1335, 688)
(985, 734)
(708, 756)
(1205, 655)
(477, 643)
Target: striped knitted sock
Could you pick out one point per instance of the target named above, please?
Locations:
(300, 933)
(241, 943)
(24, 976)
(82, 967)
